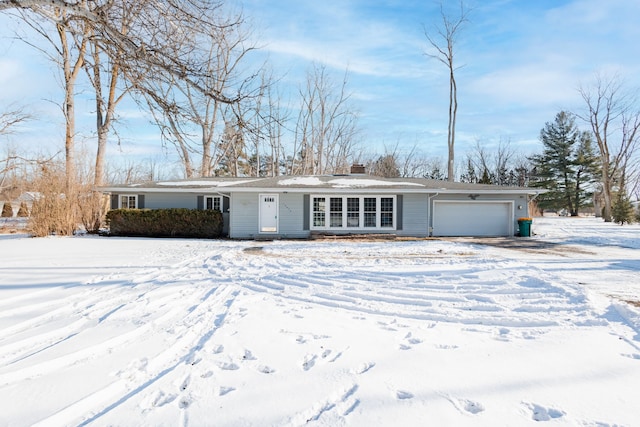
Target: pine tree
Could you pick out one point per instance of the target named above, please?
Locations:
(622, 209)
(566, 166)
(486, 178)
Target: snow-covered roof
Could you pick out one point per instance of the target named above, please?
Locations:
(315, 183)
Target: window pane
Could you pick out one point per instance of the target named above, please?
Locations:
(318, 211)
(369, 211)
(209, 203)
(335, 214)
(369, 204)
(353, 212)
(386, 212)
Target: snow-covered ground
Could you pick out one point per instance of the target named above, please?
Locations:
(150, 332)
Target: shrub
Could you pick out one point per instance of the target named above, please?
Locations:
(7, 210)
(622, 210)
(165, 223)
(23, 212)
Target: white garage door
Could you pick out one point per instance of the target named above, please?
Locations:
(472, 218)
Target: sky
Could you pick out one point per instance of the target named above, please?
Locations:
(521, 62)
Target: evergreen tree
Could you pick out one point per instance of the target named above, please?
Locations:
(470, 174)
(486, 178)
(622, 209)
(566, 166)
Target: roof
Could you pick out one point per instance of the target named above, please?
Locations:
(316, 183)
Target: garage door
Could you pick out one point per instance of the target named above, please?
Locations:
(472, 218)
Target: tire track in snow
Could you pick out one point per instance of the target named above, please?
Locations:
(84, 312)
(491, 292)
(193, 332)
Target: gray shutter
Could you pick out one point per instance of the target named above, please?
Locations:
(399, 212)
(225, 204)
(140, 201)
(306, 211)
(114, 201)
(200, 203)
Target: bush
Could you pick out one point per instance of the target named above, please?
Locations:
(622, 210)
(165, 223)
(23, 212)
(55, 211)
(7, 210)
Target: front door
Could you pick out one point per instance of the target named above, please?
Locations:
(268, 213)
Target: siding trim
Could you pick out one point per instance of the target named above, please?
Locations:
(306, 211)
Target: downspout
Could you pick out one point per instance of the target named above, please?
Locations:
(429, 199)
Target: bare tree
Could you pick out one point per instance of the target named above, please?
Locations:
(12, 117)
(191, 119)
(150, 43)
(444, 41)
(277, 115)
(104, 73)
(69, 45)
(613, 114)
(326, 125)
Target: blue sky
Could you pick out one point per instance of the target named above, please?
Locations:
(522, 62)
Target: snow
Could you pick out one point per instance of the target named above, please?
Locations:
(175, 332)
(302, 180)
(206, 183)
(346, 183)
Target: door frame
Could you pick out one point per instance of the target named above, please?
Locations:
(270, 228)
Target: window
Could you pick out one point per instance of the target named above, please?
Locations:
(319, 211)
(128, 202)
(386, 212)
(335, 214)
(213, 203)
(354, 212)
(369, 211)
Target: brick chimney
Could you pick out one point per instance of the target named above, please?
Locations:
(357, 168)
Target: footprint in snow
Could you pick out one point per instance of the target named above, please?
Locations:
(225, 390)
(228, 366)
(473, 407)
(408, 341)
(248, 355)
(362, 368)
(217, 349)
(266, 369)
(184, 402)
(540, 413)
(403, 395)
(185, 383)
(160, 398)
(309, 361)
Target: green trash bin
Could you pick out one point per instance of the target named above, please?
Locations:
(524, 225)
